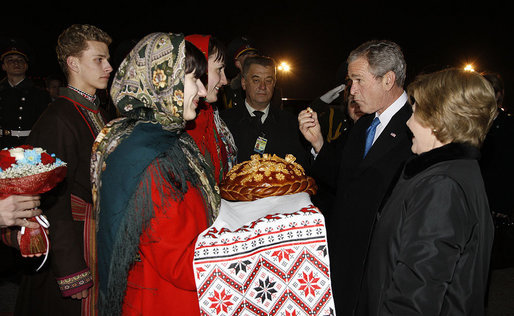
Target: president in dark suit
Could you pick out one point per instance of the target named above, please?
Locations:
(364, 169)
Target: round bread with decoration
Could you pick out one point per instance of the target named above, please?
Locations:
(266, 176)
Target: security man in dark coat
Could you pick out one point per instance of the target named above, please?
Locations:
(257, 125)
(233, 95)
(21, 102)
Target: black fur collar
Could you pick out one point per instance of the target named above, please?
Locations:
(447, 152)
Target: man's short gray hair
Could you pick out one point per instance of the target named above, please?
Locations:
(382, 56)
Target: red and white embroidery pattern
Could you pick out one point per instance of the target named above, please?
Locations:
(276, 265)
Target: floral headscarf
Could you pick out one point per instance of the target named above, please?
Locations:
(151, 77)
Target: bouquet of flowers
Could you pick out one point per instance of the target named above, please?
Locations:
(30, 170)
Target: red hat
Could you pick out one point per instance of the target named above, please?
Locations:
(201, 42)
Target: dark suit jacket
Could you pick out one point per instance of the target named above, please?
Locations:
(280, 129)
(361, 186)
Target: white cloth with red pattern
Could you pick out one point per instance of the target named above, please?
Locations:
(265, 257)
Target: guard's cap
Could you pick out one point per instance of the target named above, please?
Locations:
(14, 47)
(240, 46)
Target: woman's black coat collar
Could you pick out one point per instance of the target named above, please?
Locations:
(451, 151)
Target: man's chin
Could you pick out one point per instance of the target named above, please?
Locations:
(365, 110)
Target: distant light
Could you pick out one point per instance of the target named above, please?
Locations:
(284, 66)
(469, 67)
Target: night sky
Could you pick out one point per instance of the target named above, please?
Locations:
(313, 36)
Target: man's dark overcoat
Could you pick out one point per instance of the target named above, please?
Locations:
(280, 129)
(360, 187)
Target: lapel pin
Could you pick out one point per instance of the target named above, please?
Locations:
(393, 134)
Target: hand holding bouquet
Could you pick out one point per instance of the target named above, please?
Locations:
(27, 170)
(15, 209)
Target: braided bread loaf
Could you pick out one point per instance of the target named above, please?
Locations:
(266, 176)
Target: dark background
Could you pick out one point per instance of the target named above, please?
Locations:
(313, 36)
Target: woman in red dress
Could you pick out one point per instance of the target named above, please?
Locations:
(153, 190)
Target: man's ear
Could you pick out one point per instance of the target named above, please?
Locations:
(72, 63)
(388, 80)
(243, 83)
(238, 65)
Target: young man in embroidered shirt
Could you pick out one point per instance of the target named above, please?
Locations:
(68, 128)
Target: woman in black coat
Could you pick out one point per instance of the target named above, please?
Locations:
(432, 241)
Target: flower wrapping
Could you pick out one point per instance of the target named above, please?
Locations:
(32, 184)
(34, 240)
(30, 170)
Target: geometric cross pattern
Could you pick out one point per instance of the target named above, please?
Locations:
(276, 265)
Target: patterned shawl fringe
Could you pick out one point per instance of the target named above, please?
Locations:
(172, 167)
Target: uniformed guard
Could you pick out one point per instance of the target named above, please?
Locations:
(238, 50)
(21, 101)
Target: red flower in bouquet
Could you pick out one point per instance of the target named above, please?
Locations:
(6, 160)
(47, 159)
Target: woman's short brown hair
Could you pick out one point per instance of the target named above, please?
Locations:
(458, 105)
(73, 41)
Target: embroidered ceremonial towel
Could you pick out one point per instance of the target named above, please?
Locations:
(265, 257)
